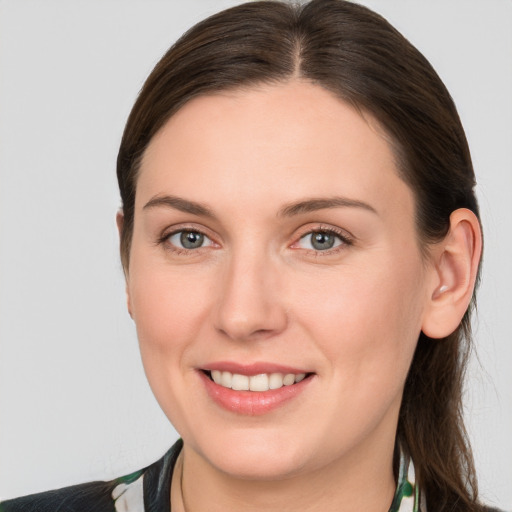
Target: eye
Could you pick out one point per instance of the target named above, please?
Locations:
(189, 239)
(320, 240)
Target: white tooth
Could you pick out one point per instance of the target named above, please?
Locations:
(226, 379)
(299, 377)
(289, 379)
(258, 382)
(275, 381)
(240, 382)
(216, 376)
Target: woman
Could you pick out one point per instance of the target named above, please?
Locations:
(301, 241)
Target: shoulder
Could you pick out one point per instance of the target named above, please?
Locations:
(89, 496)
(146, 489)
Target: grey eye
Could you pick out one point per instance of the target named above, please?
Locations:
(320, 241)
(189, 239)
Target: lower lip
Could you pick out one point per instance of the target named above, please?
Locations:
(252, 403)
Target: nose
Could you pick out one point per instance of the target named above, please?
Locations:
(250, 302)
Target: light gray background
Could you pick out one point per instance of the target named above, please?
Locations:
(74, 403)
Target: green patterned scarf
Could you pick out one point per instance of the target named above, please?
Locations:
(407, 494)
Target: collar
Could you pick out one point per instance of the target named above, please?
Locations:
(407, 495)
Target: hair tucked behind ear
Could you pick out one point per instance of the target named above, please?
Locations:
(362, 59)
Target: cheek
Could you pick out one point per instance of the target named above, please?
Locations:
(169, 309)
(366, 322)
(170, 312)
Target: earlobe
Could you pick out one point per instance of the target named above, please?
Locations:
(455, 267)
(120, 221)
(120, 224)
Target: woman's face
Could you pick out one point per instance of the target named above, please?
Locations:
(273, 237)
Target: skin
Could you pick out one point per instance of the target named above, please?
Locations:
(258, 291)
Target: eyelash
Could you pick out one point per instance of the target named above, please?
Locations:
(345, 239)
(165, 240)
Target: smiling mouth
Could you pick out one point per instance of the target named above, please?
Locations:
(260, 383)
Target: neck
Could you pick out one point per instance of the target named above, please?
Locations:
(360, 481)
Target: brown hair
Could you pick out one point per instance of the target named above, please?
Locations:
(358, 56)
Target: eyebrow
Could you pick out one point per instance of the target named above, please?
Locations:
(178, 203)
(320, 203)
(290, 210)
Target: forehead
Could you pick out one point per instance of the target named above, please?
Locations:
(281, 140)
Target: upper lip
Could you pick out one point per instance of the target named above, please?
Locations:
(253, 368)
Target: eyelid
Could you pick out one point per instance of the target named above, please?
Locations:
(346, 238)
(207, 242)
(170, 231)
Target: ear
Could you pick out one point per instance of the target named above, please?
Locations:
(120, 221)
(455, 263)
(120, 224)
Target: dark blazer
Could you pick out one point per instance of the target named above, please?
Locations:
(97, 496)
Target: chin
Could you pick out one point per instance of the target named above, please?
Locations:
(262, 466)
(256, 457)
